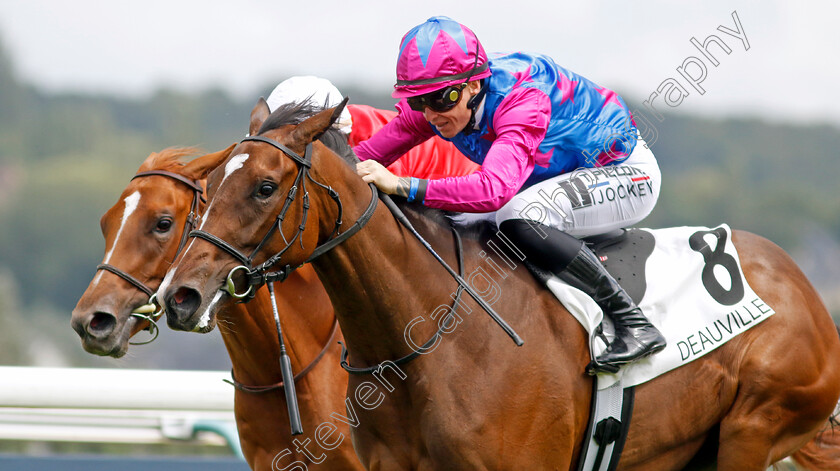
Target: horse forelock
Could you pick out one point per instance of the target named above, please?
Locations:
(289, 113)
(170, 159)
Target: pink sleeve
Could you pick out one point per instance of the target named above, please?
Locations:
(520, 123)
(408, 129)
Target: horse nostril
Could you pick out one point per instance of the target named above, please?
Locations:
(183, 302)
(78, 325)
(101, 324)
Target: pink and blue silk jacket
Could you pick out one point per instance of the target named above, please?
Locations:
(537, 120)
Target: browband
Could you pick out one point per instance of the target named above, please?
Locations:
(306, 160)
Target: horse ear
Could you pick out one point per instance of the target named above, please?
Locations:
(338, 110)
(258, 116)
(199, 168)
(311, 129)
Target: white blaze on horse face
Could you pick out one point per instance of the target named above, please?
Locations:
(165, 283)
(235, 163)
(131, 202)
(204, 321)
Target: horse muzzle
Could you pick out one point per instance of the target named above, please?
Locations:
(186, 310)
(101, 333)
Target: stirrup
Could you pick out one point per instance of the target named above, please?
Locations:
(594, 367)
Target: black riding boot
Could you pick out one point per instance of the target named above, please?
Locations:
(573, 262)
(635, 336)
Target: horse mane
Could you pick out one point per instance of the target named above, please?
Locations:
(480, 230)
(296, 113)
(335, 140)
(170, 159)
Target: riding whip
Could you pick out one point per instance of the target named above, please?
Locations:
(286, 372)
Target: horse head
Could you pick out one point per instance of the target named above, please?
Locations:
(143, 233)
(266, 211)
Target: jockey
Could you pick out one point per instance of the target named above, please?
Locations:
(433, 159)
(560, 157)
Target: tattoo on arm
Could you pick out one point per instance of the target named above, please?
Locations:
(403, 186)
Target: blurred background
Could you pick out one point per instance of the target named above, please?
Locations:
(89, 88)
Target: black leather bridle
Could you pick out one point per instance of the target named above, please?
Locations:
(261, 274)
(150, 310)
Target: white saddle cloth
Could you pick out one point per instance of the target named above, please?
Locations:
(690, 297)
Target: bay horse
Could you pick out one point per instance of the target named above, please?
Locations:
(144, 231)
(474, 400)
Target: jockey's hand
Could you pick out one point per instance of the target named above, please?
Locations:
(372, 171)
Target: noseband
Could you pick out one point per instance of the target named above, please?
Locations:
(262, 274)
(148, 311)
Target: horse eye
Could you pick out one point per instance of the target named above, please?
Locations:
(163, 225)
(266, 189)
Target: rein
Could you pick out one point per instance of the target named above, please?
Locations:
(462, 286)
(279, 385)
(441, 327)
(147, 311)
(397, 212)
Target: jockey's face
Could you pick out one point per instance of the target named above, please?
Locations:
(450, 123)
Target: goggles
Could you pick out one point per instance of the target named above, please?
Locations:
(439, 101)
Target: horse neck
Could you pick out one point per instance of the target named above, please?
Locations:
(250, 331)
(381, 278)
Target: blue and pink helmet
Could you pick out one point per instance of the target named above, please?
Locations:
(438, 53)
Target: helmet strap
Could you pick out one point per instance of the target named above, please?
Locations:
(475, 99)
(472, 104)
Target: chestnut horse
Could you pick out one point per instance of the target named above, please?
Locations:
(474, 400)
(143, 234)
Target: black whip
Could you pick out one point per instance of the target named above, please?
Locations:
(286, 372)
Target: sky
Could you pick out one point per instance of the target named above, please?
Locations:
(789, 72)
